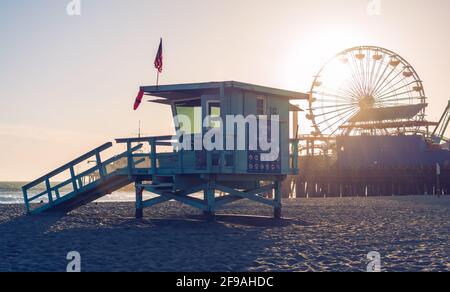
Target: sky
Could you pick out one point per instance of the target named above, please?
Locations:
(67, 83)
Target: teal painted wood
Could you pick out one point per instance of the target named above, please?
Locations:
(180, 197)
(73, 178)
(225, 200)
(78, 189)
(155, 201)
(209, 197)
(66, 166)
(73, 195)
(25, 199)
(250, 195)
(49, 190)
(100, 166)
(184, 89)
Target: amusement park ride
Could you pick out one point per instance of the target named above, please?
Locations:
(367, 107)
(371, 91)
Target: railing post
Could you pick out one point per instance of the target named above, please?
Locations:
(153, 158)
(209, 198)
(80, 182)
(101, 169)
(49, 191)
(139, 208)
(25, 199)
(74, 181)
(58, 196)
(130, 159)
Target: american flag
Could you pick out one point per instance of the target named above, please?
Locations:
(159, 57)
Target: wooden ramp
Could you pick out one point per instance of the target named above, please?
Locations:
(102, 179)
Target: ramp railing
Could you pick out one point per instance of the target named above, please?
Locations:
(76, 183)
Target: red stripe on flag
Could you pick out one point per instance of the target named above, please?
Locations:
(138, 100)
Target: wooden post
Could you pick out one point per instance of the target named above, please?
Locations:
(101, 169)
(277, 208)
(209, 161)
(210, 200)
(49, 191)
(153, 158)
(130, 159)
(25, 199)
(139, 208)
(74, 181)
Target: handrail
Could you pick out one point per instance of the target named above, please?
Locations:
(68, 165)
(74, 178)
(144, 139)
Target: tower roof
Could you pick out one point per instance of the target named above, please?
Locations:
(182, 91)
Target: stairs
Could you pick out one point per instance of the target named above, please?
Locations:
(107, 176)
(91, 193)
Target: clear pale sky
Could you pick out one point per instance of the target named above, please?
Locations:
(67, 84)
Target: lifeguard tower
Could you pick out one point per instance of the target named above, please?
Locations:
(174, 173)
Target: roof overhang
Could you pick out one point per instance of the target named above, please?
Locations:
(294, 108)
(184, 91)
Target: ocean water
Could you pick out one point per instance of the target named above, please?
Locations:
(11, 193)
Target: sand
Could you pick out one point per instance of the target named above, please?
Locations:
(410, 233)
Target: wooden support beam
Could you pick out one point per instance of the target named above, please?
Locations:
(101, 168)
(277, 207)
(182, 197)
(153, 158)
(251, 195)
(49, 190)
(225, 200)
(155, 201)
(193, 202)
(210, 199)
(193, 190)
(139, 204)
(130, 159)
(72, 178)
(25, 199)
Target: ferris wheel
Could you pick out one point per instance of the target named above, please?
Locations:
(366, 90)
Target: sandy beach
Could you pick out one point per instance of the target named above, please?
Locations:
(410, 233)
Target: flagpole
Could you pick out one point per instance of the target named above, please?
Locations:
(159, 62)
(157, 79)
